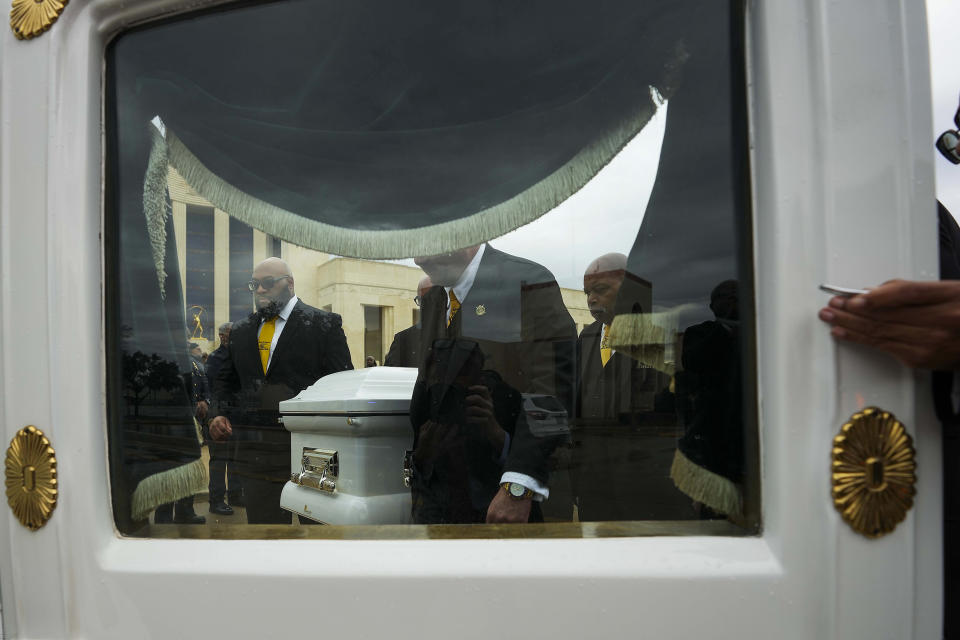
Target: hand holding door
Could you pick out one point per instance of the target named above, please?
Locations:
(916, 322)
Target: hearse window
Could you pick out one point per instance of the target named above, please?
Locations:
(556, 194)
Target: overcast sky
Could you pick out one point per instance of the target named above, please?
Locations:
(606, 214)
(623, 187)
(943, 20)
(603, 217)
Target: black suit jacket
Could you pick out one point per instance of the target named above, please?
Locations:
(405, 348)
(611, 394)
(214, 362)
(515, 314)
(311, 345)
(709, 390)
(609, 462)
(943, 402)
(949, 241)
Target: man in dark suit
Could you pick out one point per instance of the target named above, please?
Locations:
(223, 462)
(494, 328)
(182, 511)
(610, 382)
(614, 394)
(405, 348)
(274, 354)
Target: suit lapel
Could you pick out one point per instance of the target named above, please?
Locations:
(433, 317)
(490, 310)
(245, 347)
(590, 349)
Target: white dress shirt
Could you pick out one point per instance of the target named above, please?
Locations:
(465, 282)
(281, 323)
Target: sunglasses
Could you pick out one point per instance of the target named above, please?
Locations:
(267, 283)
(947, 143)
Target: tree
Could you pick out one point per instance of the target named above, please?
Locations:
(143, 374)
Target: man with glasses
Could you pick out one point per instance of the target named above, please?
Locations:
(281, 349)
(405, 348)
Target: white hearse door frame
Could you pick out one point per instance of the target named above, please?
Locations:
(842, 189)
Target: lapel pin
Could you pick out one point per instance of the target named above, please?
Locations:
(481, 309)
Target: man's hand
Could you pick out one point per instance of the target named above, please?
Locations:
(479, 411)
(503, 508)
(202, 409)
(220, 428)
(916, 322)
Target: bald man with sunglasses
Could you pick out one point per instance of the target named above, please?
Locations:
(281, 349)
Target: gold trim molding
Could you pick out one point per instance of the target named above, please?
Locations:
(30, 18)
(874, 472)
(31, 476)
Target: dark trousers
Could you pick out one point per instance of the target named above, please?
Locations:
(224, 479)
(263, 464)
(263, 504)
(263, 501)
(165, 512)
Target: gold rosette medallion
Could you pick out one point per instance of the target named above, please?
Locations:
(31, 477)
(30, 18)
(874, 472)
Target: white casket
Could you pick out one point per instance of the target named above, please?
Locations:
(349, 434)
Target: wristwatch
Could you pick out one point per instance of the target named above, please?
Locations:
(517, 491)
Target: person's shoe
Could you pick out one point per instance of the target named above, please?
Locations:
(188, 516)
(221, 508)
(190, 519)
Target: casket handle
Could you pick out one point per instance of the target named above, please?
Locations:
(319, 469)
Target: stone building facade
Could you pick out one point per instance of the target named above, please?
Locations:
(217, 253)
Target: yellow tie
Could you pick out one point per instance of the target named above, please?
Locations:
(605, 351)
(454, 306)
(266, 337)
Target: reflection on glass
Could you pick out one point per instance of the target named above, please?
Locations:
(280, 349)
(557, 306)
(372, 335)
(494, 328)
(405, 347)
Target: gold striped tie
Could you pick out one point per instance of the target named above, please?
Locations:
(605, 352)
(454, 307)
(266, 337)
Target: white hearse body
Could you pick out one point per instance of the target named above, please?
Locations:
(842, 192)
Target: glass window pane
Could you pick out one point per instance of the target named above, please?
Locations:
(372, 335)
(545, 241)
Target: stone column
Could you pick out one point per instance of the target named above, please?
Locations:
(259, 248)
(388, 328)
(351, 311)
(221, 269)
(180, 235)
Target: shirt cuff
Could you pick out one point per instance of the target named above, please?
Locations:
(540, 492)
